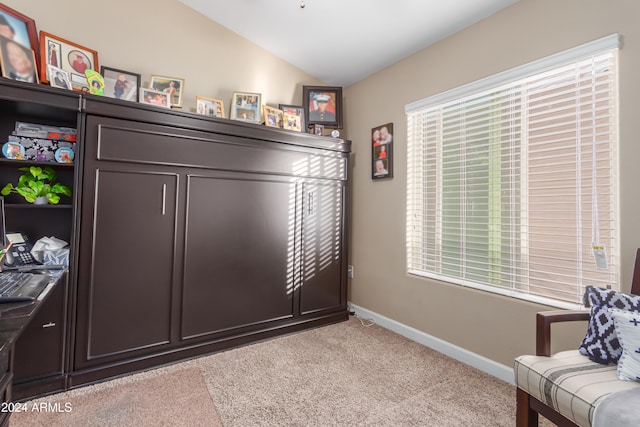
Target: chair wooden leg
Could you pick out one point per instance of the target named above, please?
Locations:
(525, 416)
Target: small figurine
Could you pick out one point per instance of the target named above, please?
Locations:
(96, 82)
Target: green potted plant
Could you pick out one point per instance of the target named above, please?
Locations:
(38, 186)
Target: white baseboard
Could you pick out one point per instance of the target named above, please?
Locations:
(498, 370)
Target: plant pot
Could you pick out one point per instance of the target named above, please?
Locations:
(42, 200)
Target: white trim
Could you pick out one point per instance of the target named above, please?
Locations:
(498, 370)
(600, 45)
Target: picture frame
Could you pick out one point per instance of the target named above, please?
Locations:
(17, 62)
(297, 110)
(209, 107)
(292, 122)
(71, 57)
(154, 97)
(382, 151)
(59, 77)
(22, 27)
(318, 130)
(322, 106)
(273, 117)
(246, 107)
(120, 84)
(173, 86)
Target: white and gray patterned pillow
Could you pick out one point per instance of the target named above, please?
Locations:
(627, 325)
(601, 341)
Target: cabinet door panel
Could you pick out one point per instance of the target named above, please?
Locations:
(39, 352)
(322, 247)
(131, 270)
(239, 249)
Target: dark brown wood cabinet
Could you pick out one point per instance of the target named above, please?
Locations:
(125, 266)
(189, 235)
(41, 353)
(322, 247)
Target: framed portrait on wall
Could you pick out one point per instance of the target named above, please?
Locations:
(382, 151)
(322, 106)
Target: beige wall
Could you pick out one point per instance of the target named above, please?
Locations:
(494, 326)
(165, 37)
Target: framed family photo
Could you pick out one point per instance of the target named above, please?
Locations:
(209, 107)
(322, 106)
(18, 62)
(20, 28)
(71, 57)
(292, 122)
(294, 110)
(382, 151)
(59, 77)
(172, 86)
(246, 106)
(273, 117)
(154, 97)
(120, 84)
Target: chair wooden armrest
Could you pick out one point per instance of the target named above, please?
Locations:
(544, 320)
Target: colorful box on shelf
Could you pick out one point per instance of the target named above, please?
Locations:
(33, 130)
(45, 150)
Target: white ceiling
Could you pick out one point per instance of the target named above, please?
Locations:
(343, 41)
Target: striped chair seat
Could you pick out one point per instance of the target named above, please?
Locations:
(568, 382)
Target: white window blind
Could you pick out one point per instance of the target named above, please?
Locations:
(512, 179)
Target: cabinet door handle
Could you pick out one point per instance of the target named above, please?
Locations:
(49, 325)
(310, 202)
(164, 198)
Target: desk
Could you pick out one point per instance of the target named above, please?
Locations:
(14, 318)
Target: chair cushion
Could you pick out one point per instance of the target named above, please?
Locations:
(601, 341)
(568, 382)
(628, 330)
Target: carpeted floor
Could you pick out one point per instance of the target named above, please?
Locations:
(339, 375)
(147, 401)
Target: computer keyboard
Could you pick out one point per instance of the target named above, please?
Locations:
(10, 282)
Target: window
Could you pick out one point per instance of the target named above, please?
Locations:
(513, 179)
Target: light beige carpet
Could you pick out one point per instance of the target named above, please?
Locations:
(176, 398)
(345, 374)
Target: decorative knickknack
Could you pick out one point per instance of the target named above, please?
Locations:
(38, 186)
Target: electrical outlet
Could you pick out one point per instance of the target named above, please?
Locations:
(350, 271)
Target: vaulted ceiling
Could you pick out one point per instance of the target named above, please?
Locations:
(343, 41)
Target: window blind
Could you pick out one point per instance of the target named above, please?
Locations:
(510, 186)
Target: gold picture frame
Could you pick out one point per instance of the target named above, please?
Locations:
(172, 86)
(209, 107)
(273, 117)
(292, 122)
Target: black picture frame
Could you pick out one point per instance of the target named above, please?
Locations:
(130, 93)
(313, 96)
(382, 151)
